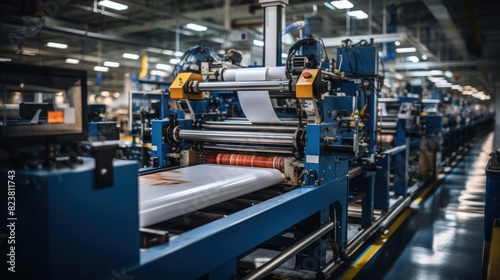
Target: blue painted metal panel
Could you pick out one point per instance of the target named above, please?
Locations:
(65, 224)
(382, 180)
(199, 251)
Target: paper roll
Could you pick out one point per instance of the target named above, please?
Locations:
(257, 105)
(169, 194)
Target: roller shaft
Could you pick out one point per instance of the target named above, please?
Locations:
(285, 139)
(247, 160)
(271, 86)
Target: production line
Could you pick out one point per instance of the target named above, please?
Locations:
(218, 191)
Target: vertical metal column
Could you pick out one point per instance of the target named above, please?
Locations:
(273, 24)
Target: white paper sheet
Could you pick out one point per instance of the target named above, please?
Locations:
(173, 193)
(257, 104)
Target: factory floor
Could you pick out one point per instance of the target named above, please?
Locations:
(448, 239)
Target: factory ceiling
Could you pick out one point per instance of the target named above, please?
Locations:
(459, 36)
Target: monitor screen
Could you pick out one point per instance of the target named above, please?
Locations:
(41, 104)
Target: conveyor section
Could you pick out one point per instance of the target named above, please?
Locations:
(173, 193)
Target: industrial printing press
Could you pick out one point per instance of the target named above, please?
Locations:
(294, 186)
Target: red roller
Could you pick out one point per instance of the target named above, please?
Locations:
(247, 160)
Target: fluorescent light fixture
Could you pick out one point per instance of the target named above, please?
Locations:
(113, 5)
(342, 4)
(424, 57)
(457, 87)
(5, 59)
(196, 27)
(258, 43)
(397, 43)
(101, 69)
(412, 58)
(358, 14)
(130, 56)
(168, 52)
(436, 72)
(398, 76)
(162, 66)
(111, 64)
(178, 53)
(72, 61)
(57, 45)
(105, 93)
(448, 74)
(406, 50)
(158, 73)
(443, 85)
(174, 60)
(329, 6)
(284, 55)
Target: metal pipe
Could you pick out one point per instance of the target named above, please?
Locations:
(365, 234)
(271, 86)
(355, 172)
(245, 122)
(395, 150)
(249, 127)
(393, 214)
(275, 262)
(287, 139)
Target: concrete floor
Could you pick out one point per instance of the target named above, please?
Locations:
(448, 242)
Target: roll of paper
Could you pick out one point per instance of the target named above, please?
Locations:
(257, 105)
(170, 194)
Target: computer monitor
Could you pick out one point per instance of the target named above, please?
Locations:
(40, 105)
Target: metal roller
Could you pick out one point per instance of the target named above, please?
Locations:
(241, 137)
(222, 126)
(250, 149)
(271, 86)
(247, 160)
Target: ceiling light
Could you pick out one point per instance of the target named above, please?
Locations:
(342, 4)
(158, 73)
(457, 87)
(448, 74)
(397, 43)
(412, 58)
(424, 57)
(5, 59)
(101, 69)
(329, 6)
(130, 56)
(105, 93)
(443, 85)
(116, 94)
(174, 60)
(178, 53)
(406, 50)
(284, 55)
(72, 61)
(258, 43)
(168, 52)
(358, 14)
(111, 64)
(113, 5)
(436, 72)
(57, 45)
(164, 66)
(196, 27)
